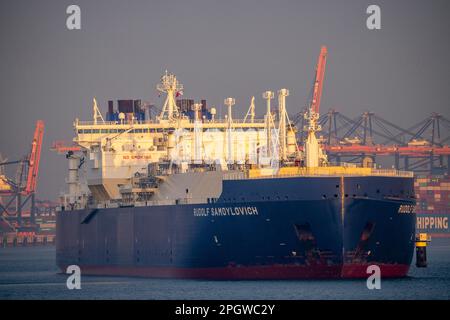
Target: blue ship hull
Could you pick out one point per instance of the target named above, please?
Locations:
(278, 228)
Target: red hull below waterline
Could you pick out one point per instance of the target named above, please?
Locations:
(275, 272)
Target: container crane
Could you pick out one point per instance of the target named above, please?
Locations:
(30, 166)
(318, 83)
(35, 156)
(423, 146)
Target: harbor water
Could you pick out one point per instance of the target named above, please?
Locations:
(30, 273)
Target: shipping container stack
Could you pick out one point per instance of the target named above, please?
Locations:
(46, 216)
(134, 109)
(131, 108)
(186, 107)
(433, 204)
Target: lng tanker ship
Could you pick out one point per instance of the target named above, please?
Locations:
(187, 195)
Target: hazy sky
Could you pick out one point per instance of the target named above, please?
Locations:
(217, 49)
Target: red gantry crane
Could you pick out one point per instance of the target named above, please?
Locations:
(35, 156)
(318, 83)
(18, 192)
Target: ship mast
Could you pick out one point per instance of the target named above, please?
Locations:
(169, 85)
(230, 102)
(197, 134)
(312, 148)
(96, 114)
(282, 94)
(251, 111)
(268, 95)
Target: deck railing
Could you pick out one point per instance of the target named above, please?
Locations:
(320, 171)
(153, 121)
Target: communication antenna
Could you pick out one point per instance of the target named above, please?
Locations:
(169, 85)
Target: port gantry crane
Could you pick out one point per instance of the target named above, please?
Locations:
(28, 172)
(422, 147)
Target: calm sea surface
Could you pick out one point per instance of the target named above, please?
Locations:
(30, 273)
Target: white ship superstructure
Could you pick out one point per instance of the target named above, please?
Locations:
(113, 152)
